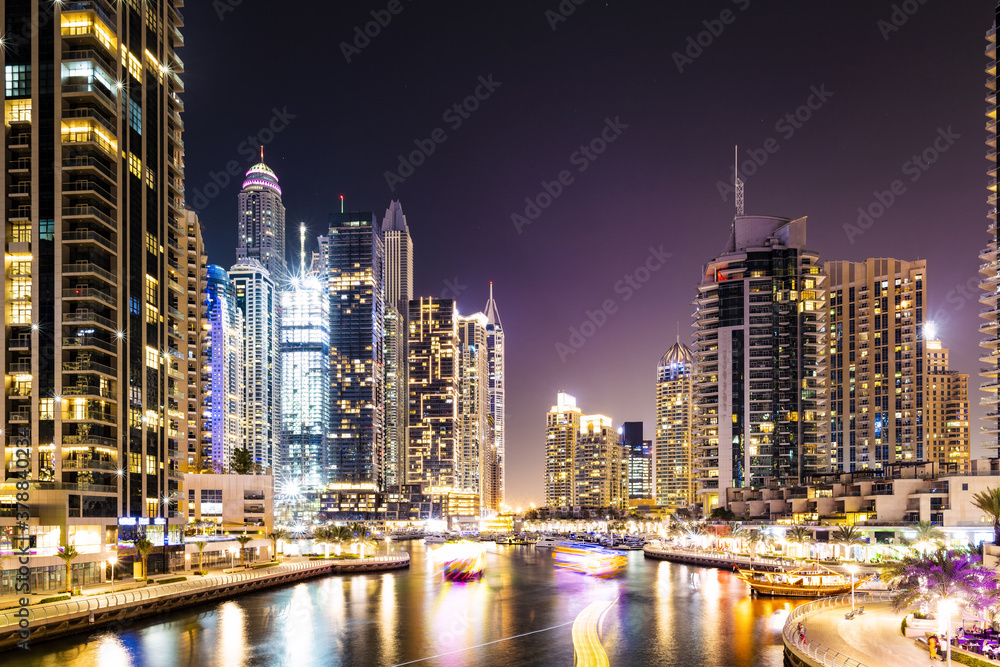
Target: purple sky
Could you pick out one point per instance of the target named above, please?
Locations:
(881, 93)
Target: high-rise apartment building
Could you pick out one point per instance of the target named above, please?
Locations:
(398, 293)
(674, 451)
(95, 343)
(357, 311)
(257, 299)
(562, 431)
(199, 450)
(224, 351)
(474, 445)
(601, 465)
(433, 372)
(876, 384)
(947, 408)
(304, 456)
(638, 454)
(990, 268)
(495, 368)
(760, 359)
(261, 221)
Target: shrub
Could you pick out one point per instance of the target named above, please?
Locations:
(172, 580)
(902, 626)
(58, 598)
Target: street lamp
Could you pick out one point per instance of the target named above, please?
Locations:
(113, 560)
(946, 608)
(853, 569)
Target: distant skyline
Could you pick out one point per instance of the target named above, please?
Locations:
(611, 132)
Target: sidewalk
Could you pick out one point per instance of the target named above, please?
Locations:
(874, 638)
(122, 585)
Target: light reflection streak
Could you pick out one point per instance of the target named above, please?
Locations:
(232, 645)
(299, 626)
(111, 651)
(387, 616)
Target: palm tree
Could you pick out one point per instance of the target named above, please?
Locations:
(143, 547)
(274, 536)
(849, 536)
(928, 533)
(945, 574)
(68, 554)
(323, 535)
(799, 535)
(339, 535)
(243, 540)
(201, 544)
(989, 502)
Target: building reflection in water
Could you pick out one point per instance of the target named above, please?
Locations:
(112, 651)
(299, 620)
(387, 618)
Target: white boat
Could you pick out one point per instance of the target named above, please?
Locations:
(435, 538)
(548, 542)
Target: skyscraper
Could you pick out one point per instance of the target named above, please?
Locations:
(95, 338)
(760, 358)
(199, 454)
(257, 299)
(638, 455)
(601, 465)
(947, 410)
(876, 362)
(398, 293)
(262, 221)
(474, 451)
(357, 299)
(433, 372)
(304, 458)
(225, 350)
(562, 430)
(495, 367)
(675, 465)
(990, 268)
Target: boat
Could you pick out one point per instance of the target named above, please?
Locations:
(808, 581)
(547, 542)
(435, 538)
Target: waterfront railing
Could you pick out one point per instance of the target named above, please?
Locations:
(817, 651)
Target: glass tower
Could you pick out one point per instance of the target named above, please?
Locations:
(224, 401)
(674, 418)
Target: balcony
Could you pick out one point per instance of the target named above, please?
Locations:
(89, 268)
(89, 464)
(88, 212)
(86, 236)
(87, 366)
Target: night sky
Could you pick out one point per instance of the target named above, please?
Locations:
(882, 92)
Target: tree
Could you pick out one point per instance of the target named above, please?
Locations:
(799, 535)
(243, 463)
(68, 554)
(243, 540)
(201, 544)
(849, 536)
(722, 514)
(339, 535)
(989, 502)
(274, 536)
(946, 574)
(143, 547)
(323, 535)
(359, 535)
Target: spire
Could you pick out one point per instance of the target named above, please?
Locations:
(302, 246)
(394, 220)
(492, 315)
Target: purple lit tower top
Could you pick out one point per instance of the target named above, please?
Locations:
(262, 220)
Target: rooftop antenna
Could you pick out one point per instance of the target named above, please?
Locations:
(678, 333)
(341, 203)
(302, 252)
(739, 183)
(262, 154)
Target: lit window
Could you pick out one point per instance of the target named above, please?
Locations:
(135, 165)
(152, 357)
(18, 81)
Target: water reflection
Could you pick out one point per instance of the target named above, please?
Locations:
(519, 613)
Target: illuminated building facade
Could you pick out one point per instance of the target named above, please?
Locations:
(601, 465)
(199, 380)
(398, 293)
(224, 350)
(257, 299)
(562, 430)
(433, 373)
(304, 454)
(355, 272)
(877, 381)
(495, 368)
(990, 268)
(675, 484)
(639, 459)
(262, 221)
(474, 450)
(947, 408)
(760, 359)
(95, 343)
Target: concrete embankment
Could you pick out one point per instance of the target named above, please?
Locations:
(112, 612)
(721, 561)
